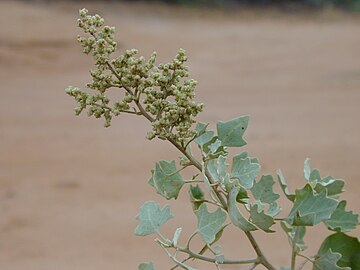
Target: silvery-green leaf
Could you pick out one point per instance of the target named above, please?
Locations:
(235, 215)
(245, 170)
(217, 169)
(146, 266)
(332, 186)
(151, 217)
(284, 186)
(263, 190)
(231, 132)
(176, 236)
(328, 261)
(260, 219)
(209, 224)
(307, 169)
(200, 128)
(274, 210)
(342, 220)
(310, 209)
(204, 138)
(219, 256)
(295, 238)
(166, 179)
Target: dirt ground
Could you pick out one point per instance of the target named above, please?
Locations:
(70, 189)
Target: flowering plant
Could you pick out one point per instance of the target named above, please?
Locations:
(231, 186)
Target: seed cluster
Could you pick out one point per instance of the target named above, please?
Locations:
(162, 93)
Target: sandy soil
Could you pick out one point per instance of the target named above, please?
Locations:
(69, 189)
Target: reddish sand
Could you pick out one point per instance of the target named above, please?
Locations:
(70, 189)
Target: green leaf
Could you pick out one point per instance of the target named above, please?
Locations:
(332, 186)
(196, 194)
(310, 209)
(284, 186)
(307, 169)
(209, 224)
(204, 138)
(219, 256)
(342, 220)
(263, 190)
(328, 261)
(176, 236)
(166, 179)
(217, 169)
(200, 129)
(151, 217)
(242, 196)
(231, 132)
(146, 266)
(347, 246)
(235, 215)
(245, 171)
(260, 219)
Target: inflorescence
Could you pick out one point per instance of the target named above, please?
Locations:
(162, 93)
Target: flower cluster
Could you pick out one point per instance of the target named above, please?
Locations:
(162, 93)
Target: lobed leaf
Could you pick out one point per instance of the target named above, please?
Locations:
(166, 179)
(245, 170)
(347, 246)
(209, 224)
(260, 219)
(231, 132)
(328, 261)
(342, 220)
(310, 209)
(263, 190)
(332, 186)
(151, 217)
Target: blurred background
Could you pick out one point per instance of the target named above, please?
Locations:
(70, 189)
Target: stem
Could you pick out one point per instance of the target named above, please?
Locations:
(212, 260)
(263, 260)
(199, 167)
(294, 252)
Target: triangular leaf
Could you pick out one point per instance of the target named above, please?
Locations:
(231, 132)
(260, 219)
(209, 224)
(342, 220)
(328, 261)
(347, 246)
(310, 209)
(284, 186)
(146, 266)
(263, 190)
(235, 215)
(151, 217)
(244, 170)
(166, 179)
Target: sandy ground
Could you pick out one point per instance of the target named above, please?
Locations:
(69, 189)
